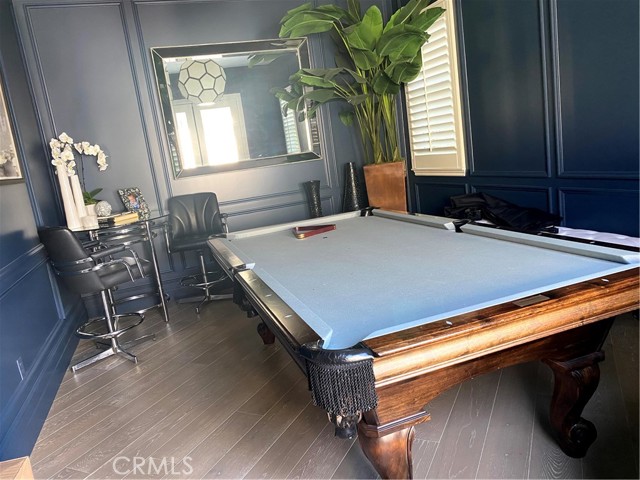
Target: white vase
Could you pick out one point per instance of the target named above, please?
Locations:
(70, 210)
(77, 196)
(91, 219)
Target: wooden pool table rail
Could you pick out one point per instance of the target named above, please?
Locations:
(435, 345)
(566, 332)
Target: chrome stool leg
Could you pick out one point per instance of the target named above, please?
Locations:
(127, 355)
(205, 285)
(88, 361)
(113, 347)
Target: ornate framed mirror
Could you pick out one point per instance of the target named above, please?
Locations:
(218, 111)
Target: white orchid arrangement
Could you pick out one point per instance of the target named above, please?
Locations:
(63, 156)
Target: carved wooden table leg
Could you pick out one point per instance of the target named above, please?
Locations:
(575, 382)
(390, 454)
(267, 335)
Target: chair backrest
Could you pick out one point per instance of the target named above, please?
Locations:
(68, 256)
(194, 215)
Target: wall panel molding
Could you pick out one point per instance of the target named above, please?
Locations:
(508, 100)
(596, 109)
(431, 197)
(24, 414)
(20, 267)
(606, 209)
(523, 195)
(103, 56)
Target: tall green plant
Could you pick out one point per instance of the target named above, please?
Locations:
(372, 61)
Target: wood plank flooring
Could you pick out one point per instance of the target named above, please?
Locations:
(208, 400)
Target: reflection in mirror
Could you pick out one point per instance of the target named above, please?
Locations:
(219, 113)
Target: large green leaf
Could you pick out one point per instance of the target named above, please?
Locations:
(311, 111)
(343, 76)
(365, 59)
(326, 77)
(343, 60)
(320, 97)
(365, 35)
(331, 73)
(357, 99)
(298, 105)
(305, 23)
(292, 101)
(353, 6)
(294, 11)
(337, 78)
(333, 11)
(297, 89)
(347, 117)
(413, 7)
(401, 43)
(403, 72)
(425, 19)
(382, 85)
(283, 94)
(302, 115)
(355, 75)
(313, 81)
(326, 73)
(264, 59)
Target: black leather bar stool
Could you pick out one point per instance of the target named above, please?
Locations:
(98, 270)
(193, 219)
(131, 236)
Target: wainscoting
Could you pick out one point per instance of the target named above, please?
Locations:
(36, 340)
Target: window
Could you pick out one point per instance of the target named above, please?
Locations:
(184, 119)
(211, 134)
(433, 103)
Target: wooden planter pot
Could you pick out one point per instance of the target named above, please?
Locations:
(386, 187)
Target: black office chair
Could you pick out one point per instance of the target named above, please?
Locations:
(193, 219)
(97, 269)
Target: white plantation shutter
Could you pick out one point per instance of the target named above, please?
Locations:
(290, 130)
(433, 103)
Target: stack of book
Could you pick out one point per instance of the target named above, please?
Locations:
(118, 219)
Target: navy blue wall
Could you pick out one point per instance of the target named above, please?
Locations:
(551, 110)
(36, 320)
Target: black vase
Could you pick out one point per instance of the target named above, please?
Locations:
(312, 190)
(354, 197)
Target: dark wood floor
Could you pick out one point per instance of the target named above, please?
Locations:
(208, 400)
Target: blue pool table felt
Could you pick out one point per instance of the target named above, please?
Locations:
(377, 275)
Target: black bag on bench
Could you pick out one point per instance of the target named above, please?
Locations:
(477, 206)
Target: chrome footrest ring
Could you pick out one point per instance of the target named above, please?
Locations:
(83, 332)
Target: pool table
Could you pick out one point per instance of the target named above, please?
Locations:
(385, 311)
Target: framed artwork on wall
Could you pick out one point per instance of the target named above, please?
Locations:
(10, 170)
(134, 201)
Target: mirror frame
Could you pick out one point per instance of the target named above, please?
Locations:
(159, 54)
